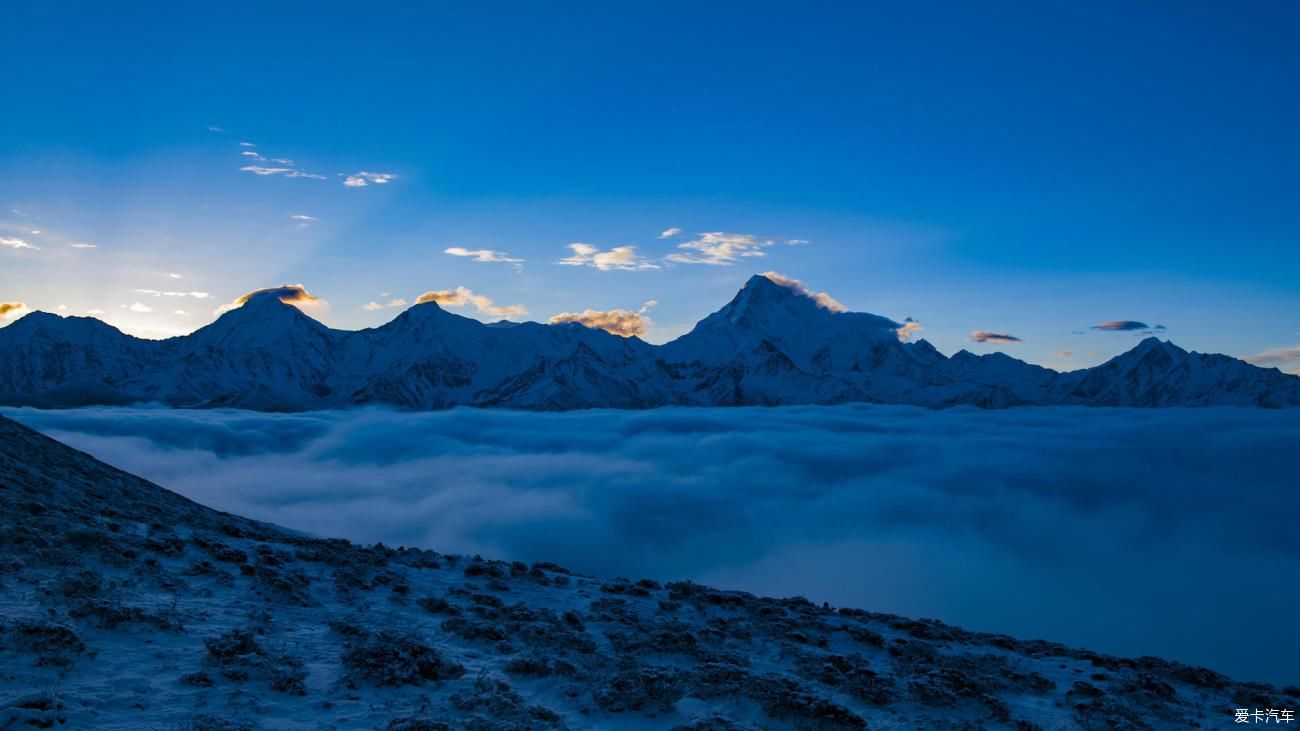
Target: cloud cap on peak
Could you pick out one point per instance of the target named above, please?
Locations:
(290, 294)
(462, 296)
(823, 300)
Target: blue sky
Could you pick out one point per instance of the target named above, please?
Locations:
(1019, 168)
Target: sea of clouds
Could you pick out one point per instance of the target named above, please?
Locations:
(1164, 532)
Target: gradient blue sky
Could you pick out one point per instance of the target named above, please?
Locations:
(1031, 169)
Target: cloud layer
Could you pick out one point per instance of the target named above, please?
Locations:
(1127, 531)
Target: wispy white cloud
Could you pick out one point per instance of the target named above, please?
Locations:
(373, 306)
(215, 128)
(302, 217)
(247, 144)
(719, 248)
(363, 178)
(94, 311)
(13, 242)
(462, 296)
(173, 275)
(823, 300)
(83, 245)
(182, 313)
(164, 293)
(485, 256)
(623, 323)
(138, 307)
(619, 257)
(264, 171)
(671, 232)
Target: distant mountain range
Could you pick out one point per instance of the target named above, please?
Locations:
(771, 345)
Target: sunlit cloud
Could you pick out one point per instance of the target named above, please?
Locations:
(94, 311)
(83, 245)
(290, 294)
(910, 327)
(823, 300)
(1286, 359)
(669, 233)
(14, 242)
(620, 258)
(984, 336)
(485, 256)
(137, 307)
(1127, 326)
(462, 296)
(719, 248)
(363, 178)
(1064, 354)
(182, 313)
(623, 323)
(173, 275)
(9, 310)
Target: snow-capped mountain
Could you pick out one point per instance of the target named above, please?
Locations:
(772, 344)
(125, 606)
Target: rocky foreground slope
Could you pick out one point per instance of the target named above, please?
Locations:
(126, 606)
(773, 344)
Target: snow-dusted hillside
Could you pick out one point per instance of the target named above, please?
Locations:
(125, 606)
(772, 344)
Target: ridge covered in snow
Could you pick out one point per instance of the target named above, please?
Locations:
(126, 606)
(773, 344)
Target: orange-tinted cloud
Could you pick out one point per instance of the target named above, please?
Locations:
(290, 294)
(462, 296)
(822, 299)
(908, 329)
(623, 323)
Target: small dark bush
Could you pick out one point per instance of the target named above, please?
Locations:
(395, 658)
